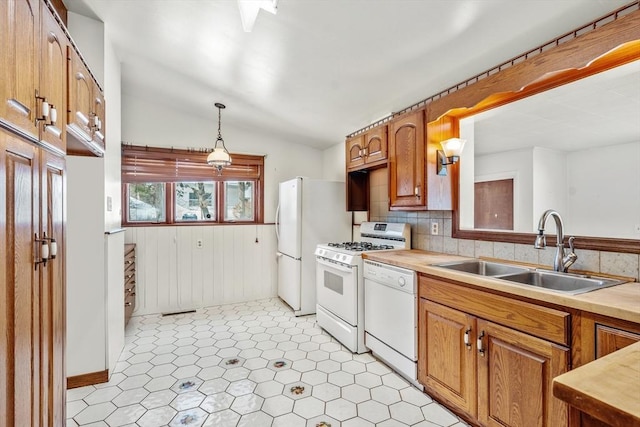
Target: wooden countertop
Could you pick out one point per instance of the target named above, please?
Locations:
(607, 389)
(621, 301)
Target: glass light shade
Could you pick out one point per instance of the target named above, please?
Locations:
(453, 147)
(219, 157)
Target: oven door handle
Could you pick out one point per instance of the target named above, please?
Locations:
(335, 266)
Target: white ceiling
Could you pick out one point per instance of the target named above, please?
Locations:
(320, 69)
(597, 111)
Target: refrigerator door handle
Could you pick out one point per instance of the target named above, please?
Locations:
(278, 223)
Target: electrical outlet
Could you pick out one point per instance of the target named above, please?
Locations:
(434, 229)
(199, 244)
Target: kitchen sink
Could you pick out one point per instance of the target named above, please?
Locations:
(566, 283)
(483, 268)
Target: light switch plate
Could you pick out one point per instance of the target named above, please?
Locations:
(109, 204)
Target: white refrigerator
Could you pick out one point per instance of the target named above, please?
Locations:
(310, 211)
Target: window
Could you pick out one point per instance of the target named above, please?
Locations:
(146, 202)
(170, 186)
(195, 201)
(238, 203)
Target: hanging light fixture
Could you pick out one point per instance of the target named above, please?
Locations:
(219, 157)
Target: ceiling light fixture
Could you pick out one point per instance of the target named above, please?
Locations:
(249, 11)
(450, 153)
(219, 157)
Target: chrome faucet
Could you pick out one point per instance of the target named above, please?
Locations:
(561, 262)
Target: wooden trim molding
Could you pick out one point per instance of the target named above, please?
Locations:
(88, 379)
(612, 45)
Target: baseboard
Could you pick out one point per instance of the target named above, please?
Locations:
(88, 379)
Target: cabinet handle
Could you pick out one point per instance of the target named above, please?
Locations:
(19, 107)
(480, 344)
(416, 191)
(467, 338)
(52, 37)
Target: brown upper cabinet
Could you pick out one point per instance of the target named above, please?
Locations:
(414, 183)
(33, 88)
(86, 110)
(367, 150)
(39, 82)
(407, 162)
(53, 81)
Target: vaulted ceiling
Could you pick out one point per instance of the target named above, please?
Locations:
(320, 69)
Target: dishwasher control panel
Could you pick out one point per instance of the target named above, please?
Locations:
(390, 275)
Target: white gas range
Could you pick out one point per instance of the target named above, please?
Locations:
(340, 282)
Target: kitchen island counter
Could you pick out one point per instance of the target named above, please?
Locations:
(607, 389)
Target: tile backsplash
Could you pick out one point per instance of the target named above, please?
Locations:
(615, 263)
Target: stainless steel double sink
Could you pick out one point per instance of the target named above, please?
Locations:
(566, 283)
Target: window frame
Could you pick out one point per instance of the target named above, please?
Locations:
(172, 166)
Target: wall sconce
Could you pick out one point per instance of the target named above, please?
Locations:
(450, 154)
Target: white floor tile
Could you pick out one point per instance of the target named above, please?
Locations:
(248, 364)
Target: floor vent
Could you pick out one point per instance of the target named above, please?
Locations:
(178, 312)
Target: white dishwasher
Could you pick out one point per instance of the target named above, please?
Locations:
(390, 317)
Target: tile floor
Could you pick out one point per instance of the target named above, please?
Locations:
(249, 364)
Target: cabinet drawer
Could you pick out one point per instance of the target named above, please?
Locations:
(129, 279)
(129, 305)
(128, 289)
(610, 339)
(543, 322)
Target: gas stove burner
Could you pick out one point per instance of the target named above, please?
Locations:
(360, 246)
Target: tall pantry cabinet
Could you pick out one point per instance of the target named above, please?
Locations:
(33, 94)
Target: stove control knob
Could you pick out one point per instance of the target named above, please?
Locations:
(402, 282)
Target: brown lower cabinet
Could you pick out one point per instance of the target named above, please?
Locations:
(32, 305)
(129, 280)
(481, 359)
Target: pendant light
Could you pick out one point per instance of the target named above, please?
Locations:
(219, 157)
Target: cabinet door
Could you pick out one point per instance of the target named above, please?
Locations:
(98, 117)
(80, 98)
(515, 372)
(609, 339)
(355, 152)
(53, 294)
(19, 304)
(53, 80)
(19, 29)
(446, 357)
(375, 142)
(407, 162)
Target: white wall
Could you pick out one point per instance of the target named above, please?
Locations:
(114, 244)
(516, 164)
(86, 299)
(235, 263)
(88, 34)
(334, 161)
(105, 314)
(590, 199)
(145, 123)
(549, 186)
